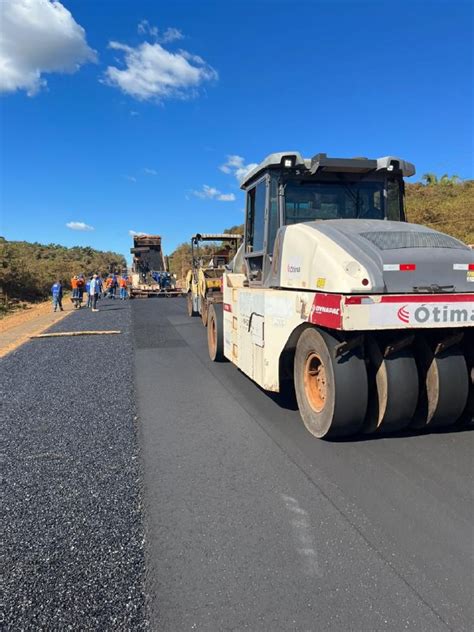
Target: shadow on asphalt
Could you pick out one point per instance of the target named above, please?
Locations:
(404, 434)
(287, 401)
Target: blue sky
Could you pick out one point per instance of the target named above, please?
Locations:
(127, 143)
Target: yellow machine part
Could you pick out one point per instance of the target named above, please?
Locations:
(206, 283)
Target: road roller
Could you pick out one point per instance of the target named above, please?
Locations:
(334, 296)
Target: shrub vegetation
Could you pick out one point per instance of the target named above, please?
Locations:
(27, 270)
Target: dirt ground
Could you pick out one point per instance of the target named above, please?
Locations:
(16, 328)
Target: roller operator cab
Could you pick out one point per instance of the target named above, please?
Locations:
(368, 317)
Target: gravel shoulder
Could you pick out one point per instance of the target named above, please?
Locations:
(16, 328)
(74, 535)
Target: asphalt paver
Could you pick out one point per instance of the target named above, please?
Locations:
(73, 535)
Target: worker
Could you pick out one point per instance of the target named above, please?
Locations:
(75, 292)
(88, 292)
(123, 288)
(94, 290)
(80, 289)
(113, 286)
(57, 293)
(108, 287)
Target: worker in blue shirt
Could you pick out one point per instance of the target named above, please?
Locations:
(57, 293)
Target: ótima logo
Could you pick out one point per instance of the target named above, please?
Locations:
(403, 314)
(437, 313)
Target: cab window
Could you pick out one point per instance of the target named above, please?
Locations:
(273, 215)
(393, 200)
(256, 217)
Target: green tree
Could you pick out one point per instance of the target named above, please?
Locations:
(430, 179)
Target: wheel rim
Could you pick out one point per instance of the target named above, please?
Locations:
(315, 382)
(212, 334)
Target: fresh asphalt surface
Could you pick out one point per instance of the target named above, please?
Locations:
(237, 519)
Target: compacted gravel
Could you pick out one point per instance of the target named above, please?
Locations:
(73, 519)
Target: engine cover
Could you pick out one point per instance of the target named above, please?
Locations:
(370, 256)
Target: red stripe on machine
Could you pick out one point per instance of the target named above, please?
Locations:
(463, 266)
(399, 267)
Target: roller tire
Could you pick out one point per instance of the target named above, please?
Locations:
(331, 392)
(204, 311)
(215, 333)
(444, 386)
(393, 388)
(189, 305)
(467, 418)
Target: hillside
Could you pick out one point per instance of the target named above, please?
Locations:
(27, 270)
(448, 208)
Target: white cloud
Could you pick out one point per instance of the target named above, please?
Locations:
(150, 172)
(211, 193)
(38, 36)
(171, 34)
(206, 192)
(133, 113)
(153, 73)
(130, 178)
(236, 165)
(135, 233)
(79, 226)
(145, 28)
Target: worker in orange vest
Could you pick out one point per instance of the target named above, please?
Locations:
(75, 291)
(123, 288)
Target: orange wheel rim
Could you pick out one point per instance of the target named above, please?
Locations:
(212, 326)
(315, 383)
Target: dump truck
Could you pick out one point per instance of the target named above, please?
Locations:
(150, 276)
(334, 294)
(203, 280)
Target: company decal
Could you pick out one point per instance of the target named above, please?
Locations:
(293, 267)
(470, 276)
(227, 307)
(410, 311)
(403, 314)
(436, 314)
(320, 283)
(326, 310)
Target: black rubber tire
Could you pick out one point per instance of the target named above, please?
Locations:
(467, 418)
(215, 332)
(346, 387)
(204, 311)
(393, 388)
(444, 385)
(189, 305)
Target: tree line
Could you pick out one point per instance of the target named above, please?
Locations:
(27, 270)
